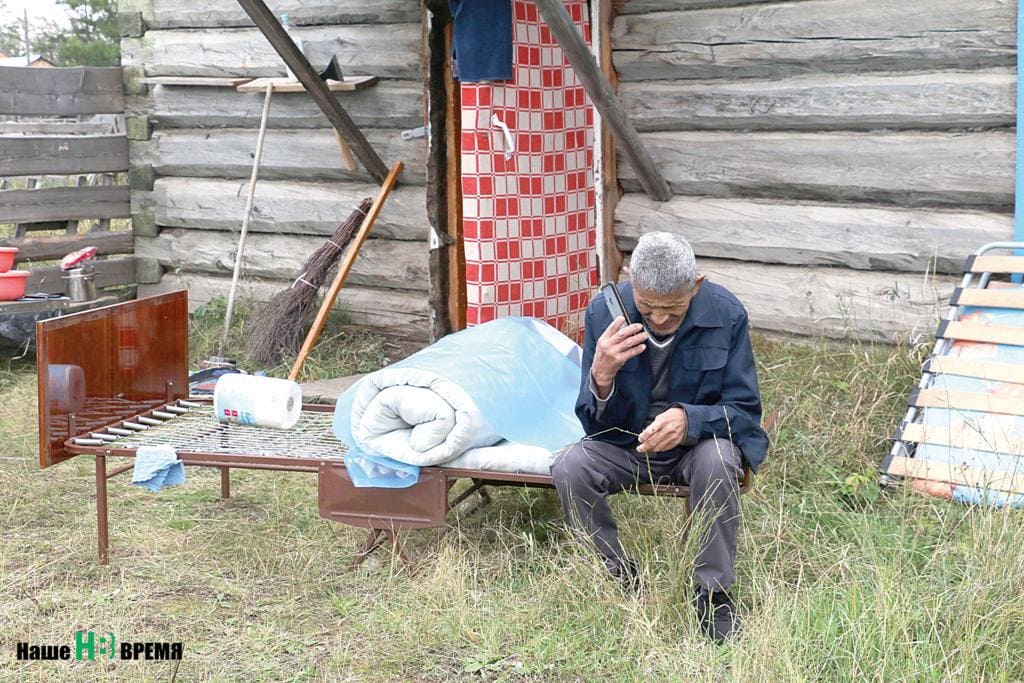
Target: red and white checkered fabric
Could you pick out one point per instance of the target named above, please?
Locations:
(528, 216)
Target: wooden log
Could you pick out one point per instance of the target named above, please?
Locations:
(289, 154)
(64, 203)
(51, 248)
(833, 302)
(814, 234)
(109, 273)
(386, 51)
(389, 104)
(204, 14)
(58, 127)
(389, 311)
(382, 263)
(603, 97)
(942, 100)
(969, 170)
(285, 207)
(61, 92)
(54, 154)
(815, 36)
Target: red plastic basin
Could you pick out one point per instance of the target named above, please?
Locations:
(12, 284)
(7, 255)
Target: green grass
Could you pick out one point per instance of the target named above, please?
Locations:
(837, 580)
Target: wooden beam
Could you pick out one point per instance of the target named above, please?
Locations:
(300, 66)
(603, 97)
(995, 264)
(61, 92)
(204, 14)
(53, 154)
(109, 273)
(989, 298)
(198, 81)
(52, 248)
(64, 203)
(606, 176)
(956, 473)
(977, 332)
(288, 85)
(965, 367)
(965, 400)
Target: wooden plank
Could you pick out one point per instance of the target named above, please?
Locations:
(204, 14)
(990, 298)
(814, 36)
(967, 437)
(385, 51)
(603, 97)
(389, 104)
(965, 400)
(606, 186)
(289, 154)
(61, 92)
(291, 85)
(965, 367)
(55, 127)
(394, 312)
(109, 273)
(382, 263)
(54, 154)
(314, 208)
(993, 334)
(969, 170)
(648, 6)
(832, 302)
(956, 473)
(197, 81)
(52, 248)
(996, 264)
(816, 234)
(922, 101)
(300, 66)
(64, 203)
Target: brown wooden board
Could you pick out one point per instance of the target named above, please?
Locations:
(55, 154)
(966, 400)
(964, 437)
(198, 81)
(955, 473)
(62, 91)
(977, 332)
(995, 264)
(291, 85)
(992, 298)
(131, 353)
(52, 248)
(64, 203)
(950, 365)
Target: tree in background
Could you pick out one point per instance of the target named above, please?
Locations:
(42, 35)
(93, 39)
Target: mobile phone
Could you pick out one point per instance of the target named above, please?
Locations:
(614, 300)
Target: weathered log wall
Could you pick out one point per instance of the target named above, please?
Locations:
(827, 157)
(192, 149)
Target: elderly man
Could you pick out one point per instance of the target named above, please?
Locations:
(672, 397)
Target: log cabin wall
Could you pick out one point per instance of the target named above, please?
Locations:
(826, 157)
(192, 150)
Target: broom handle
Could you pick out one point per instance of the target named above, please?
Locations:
(343, 269)
(245, 220)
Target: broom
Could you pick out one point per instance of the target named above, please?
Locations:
(281, 325)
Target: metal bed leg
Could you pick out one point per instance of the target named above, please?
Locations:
(372, 542)
(225, 483)
(396, 546)
(101, 506)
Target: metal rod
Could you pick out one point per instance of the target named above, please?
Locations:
(245, 220)
(120, 470)
(101, 507)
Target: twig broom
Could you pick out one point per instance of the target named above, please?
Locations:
(281, 324)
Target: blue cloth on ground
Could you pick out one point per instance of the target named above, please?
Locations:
(482, 40)
(156, 467)
(524, 387)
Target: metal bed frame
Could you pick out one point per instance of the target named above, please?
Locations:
(133, 357)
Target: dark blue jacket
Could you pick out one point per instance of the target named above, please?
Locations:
(712, 376)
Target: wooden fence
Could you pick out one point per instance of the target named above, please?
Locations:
(60, 155)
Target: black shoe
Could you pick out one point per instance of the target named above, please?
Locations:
(627, 574)
(716, 614)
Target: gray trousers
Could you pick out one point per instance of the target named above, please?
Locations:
(587, 472)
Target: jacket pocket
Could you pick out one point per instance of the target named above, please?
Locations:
(705, 371)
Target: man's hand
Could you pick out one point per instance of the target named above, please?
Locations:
(666, 432)
(617, 345)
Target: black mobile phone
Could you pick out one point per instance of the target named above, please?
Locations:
(614, 300)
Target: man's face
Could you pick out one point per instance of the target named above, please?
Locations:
(664, 313)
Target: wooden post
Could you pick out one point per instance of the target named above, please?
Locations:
(279, 39)
(605, 170)
(603, 97)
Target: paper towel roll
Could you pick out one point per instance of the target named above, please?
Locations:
(260, 401)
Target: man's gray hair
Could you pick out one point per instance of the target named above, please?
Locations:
(663, 263)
